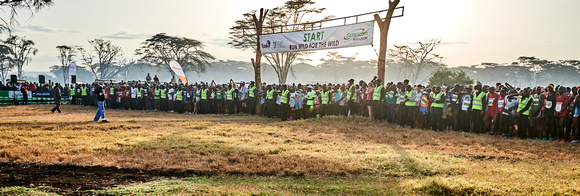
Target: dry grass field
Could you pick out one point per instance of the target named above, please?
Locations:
(142, 153)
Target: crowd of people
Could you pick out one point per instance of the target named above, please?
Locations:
(542, 113)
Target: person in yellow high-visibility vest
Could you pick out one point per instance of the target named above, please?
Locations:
(253, 97)
(270, 101)
(179, 100)
(525, 103)
(310, 96)
(351, 97)
(325, 97)
(284, 100)
(378, 98)
(84, 94)
(437, 103)
(478, 108)
(411, 107)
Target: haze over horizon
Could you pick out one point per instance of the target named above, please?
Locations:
(472, 31)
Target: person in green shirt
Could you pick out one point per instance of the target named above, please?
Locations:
(390, 103)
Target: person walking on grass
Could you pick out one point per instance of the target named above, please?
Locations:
(57, 98)
(100, 102)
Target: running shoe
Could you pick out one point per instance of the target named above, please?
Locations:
(561, 141)
(544, 139)
(575, 141)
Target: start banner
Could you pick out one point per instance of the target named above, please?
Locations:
(359, 34)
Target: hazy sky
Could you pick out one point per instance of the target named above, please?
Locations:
(472, 31)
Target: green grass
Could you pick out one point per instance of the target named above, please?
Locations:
(18, 190)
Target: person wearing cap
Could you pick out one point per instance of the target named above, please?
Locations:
(310, 96)
(378, 99)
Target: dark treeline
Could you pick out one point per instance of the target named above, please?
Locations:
(527, 71)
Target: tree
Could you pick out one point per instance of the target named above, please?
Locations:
(384, 29)
(338, 66)
(285, 18)
(449, 77)
(535, 65)
(83, 74)
(414, 60)
(21, 51)
(5, 62)
(15, 5)
(66, 56)
(161, 49)
(104, 60)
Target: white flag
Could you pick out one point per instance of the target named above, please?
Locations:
(178, 71)
(72, 70)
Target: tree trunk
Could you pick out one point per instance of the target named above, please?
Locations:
(258, 22)
(384, 28)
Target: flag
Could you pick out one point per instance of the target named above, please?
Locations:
(72, 70)
(178, 71)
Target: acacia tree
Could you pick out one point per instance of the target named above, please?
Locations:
(15, 5)
(449, 77)
(337, 65)
(22, 49)
(104, 59)
(414, 60)
(161, 49)
(535, 65)
(5, 61)
(285, 18)
(66, 56)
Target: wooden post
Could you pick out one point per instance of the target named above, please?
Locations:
(258, 23)
(384, 28)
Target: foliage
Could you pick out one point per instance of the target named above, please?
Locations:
(15, 5)
(414, 60)
(161, 49)
(449, 77)
(5, 62)
(286, 18)
(528, 71)
(22, 49)
(104, 59)
(66, 56)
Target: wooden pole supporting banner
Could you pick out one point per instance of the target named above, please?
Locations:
(258, 22)
(384, 29)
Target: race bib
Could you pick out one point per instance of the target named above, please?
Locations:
(466, 103)
(454, 98)
(500, 103)
(490, 101)
(548, 104)
(559, 107)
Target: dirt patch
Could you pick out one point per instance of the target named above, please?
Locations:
(75, 180)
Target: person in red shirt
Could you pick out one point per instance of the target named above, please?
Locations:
(562, 102)
(32, 87)
(492, 101)
(24, 91)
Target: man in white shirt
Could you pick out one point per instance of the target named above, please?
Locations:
(243, 96)
(170, 96)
